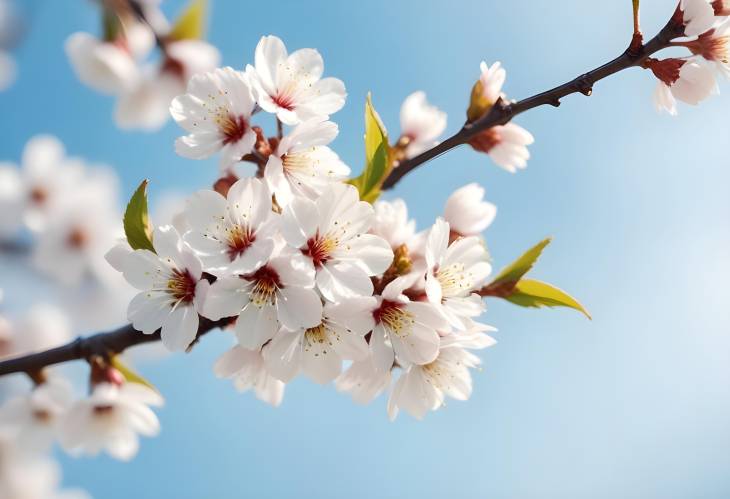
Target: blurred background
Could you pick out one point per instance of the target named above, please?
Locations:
(635, 403)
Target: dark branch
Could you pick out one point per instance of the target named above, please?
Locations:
(503, 112)
(100, 344)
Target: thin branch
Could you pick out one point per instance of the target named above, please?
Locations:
(100, 344)
(503, 112)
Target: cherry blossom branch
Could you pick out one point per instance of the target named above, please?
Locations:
(100, 344)
(503, 111)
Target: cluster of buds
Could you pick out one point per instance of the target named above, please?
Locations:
(691, 79)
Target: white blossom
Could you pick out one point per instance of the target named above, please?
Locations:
(33, 420)
(216, 111)
(455, 272)
(421, 124)
(698, 16)
(422, 388)
(332, 233)
(233, 234)
(248, 371)
(106, 67)
(683, 80)
(171, 289)
(318, 351)
(110, 420)
(363, 381)
(404, 328)
(392, 223)
(291, 85)
(278, 294)
(492, 79)
(466, 211)
(302, 164)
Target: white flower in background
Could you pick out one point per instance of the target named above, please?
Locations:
(279, 293)
(291, 85)
(420, 389)
(33, 419)
(146, 106)
(698, 16)
(8, 70)
(25, 475)
(404, 328)
(506, 145)
(713, 46)
(73, 244)
(216, 110)
(681, 79)
(455, 272)
(318, 351)
(492, 79)
(248, 371)
(332, 233)
(110, 420)
(363, 381)
(11, 199)
(171, 289)
(233, 235)
(421, 124)
(106, 67)
(46, 180)
(302, 164)
(466, 211)
(43, 326)
(392, 222)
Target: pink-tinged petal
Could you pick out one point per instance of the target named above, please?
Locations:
(329, 97)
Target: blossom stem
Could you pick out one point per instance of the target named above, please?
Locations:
(100, 344)
(503, 112)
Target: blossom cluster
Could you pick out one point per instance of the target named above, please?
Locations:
(307, 275)
(119, 63)
(691, 79)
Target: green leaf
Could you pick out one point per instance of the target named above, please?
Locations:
(191, 23)
(129, 374)
(533, 293)
(136, 220)
(514, 271)
(377, 156)
(110, 25)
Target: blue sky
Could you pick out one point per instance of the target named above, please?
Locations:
(635, 403)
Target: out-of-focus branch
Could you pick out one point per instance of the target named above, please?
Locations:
(502, 112)
(100, 344)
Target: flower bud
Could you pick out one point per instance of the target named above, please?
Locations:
(486, 91)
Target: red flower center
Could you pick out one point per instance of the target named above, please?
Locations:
(239, 240)
(233, 128)
(319, 249)
(182, 286)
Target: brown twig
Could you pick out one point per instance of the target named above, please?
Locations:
(503, 112)
(100, 344)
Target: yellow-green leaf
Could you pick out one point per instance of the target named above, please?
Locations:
(136, 220)
(514, 271)
(533, 293)
(129, 374)
(191, 23)
(110, 25)
(377, 156)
